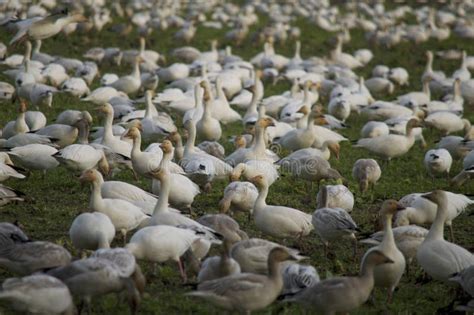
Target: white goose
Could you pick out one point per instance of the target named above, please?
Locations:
(338, 196)
(388, 275)
(278, 221)
(124, 215)
(446, 122)
(366, 172)
(183, 190)
(35, 157)
(162, 243)
(438, 161)
(108, 139)
(439, 258)
(420, 210)
(208, 128)
(92, 231)
(7, 168)
(239, 196)
(252, 168)
(130, 84)
(390, 146)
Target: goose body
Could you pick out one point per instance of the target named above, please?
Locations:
(438, 161)
(439, 258)
(92, 231)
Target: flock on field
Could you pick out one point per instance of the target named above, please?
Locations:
(297, 132)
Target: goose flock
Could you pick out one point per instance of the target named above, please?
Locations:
(187, 170)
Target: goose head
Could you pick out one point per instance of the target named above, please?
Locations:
(89, 176)
(413, 123)
(174, 137)
(23, 107)
(105, 109)
(280, 254)
(304, 110)
(259, 181)
(132, 133)
(166, 146)
(87, 117)
(103, 166)
(240, 142)
(390, 207)
(265, 122)
(320, 120)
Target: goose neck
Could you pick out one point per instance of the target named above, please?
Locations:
(108, 131)
(261, 202)
(96, 196)
(388, 232)
(162, 203)
(83, 137)
(150, 109)
(191, 138)
(136, 146)
(136, 70)
(437, 228)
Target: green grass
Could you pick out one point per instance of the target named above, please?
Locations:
(57, 199)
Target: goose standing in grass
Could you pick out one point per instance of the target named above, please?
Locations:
(225, 226)
(301, 138)
(278, 221)
(91, 231)
(407, 238)
(8, 169)
(25, 257)
(366, 172)
(419, 210)
(38, 294)
(342, 294)
(17, 126)
(332, 224)
(239, 196)
(124, 215)
(388, 275)
(298, 277)
(438, 161)
(183, 190)
(122, 190)
(35, 157)
(101, 274)
(446, 122)
(439, 258)
(338, 196)
(391, 146)
(208, 128)
(162, 243)
(8, 194)
(246, 292)
(216, 267)
(130, 84)
(108, 139)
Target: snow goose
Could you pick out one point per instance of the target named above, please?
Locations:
(462, 73)
(420, 210)
(339, 196)
(343, 59)
(366, 172)
(208, 128)
(216, 267)
(297, 277)
(8, 195)
(17, 126)
(128, 192)
(142, 162)
(40, 294)
(45, 27)
(238, 196)
(332, 224)
(91, 231)
(6, 91)
(407, 238)
(34, 157)
(439, 258)
(26, 257)
(109, 140)
(101, 274)
(278, 221)
(446, 122)
(130, 84)
(162, 243)
(388, 275)
(65, 135)
(246, 292)
(342, 294)
(373, 129)
(390, 146)
(252, 168)
(438, 161)
(221, 109)
(302, 137)
(182, 190)
(201, 167)
(416, 98)
(380, 86)
(81, 157)
(8, 169)
(328, 148)
(124, 215)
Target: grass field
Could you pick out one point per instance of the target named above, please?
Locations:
(57, 199)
